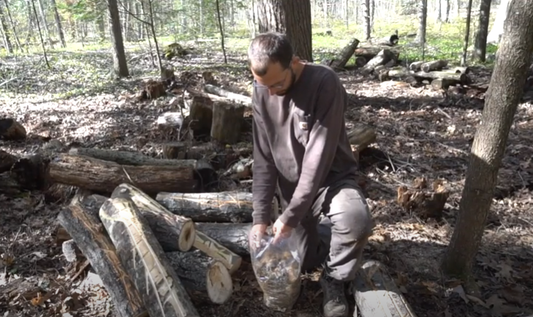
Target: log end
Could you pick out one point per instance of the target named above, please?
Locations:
(11, 130)
(219, 283)
(187, 236)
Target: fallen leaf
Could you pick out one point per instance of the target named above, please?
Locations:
(505, 271)
(513, 294)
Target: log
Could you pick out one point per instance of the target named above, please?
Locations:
(461, 70)
(201, 114)
(416, 66)
(10, 129)
(230, 206)
(237, 98)
(144, 260)
(174, 232)
(217, 251)
(125, 157)
(6, 161)
(361, 136)
(227, 122)
(30, 172)
(383, 57)
(346, 54)
(442, 83)
(434, 65)
(461, 78)
(371, 51)
(198, 272)
(233, 236)
(376, 294)
(103, 176)
(88, 234)
(361, 61)
(8, 185)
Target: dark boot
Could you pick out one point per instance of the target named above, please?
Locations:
(335, 303)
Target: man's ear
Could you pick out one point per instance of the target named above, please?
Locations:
(295, 60)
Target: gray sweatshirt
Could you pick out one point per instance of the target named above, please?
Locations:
(300, 144)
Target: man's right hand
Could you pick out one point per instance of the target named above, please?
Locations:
(256, 233)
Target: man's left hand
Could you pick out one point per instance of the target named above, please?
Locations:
(281, 230)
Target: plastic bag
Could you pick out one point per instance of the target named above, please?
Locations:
(277, 268)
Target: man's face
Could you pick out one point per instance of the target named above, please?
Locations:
(277, 79)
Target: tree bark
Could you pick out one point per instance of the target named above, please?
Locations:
(228, 119)
(103, 176)
(174, 232)
(144, 260)
(58, 24)
(128, 157)
(120, 66)
(198, 272)
(292, 17)
(86, 230)
(480, 44)
(211, 207)
(501, 101)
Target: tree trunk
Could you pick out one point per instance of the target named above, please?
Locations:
(13, 28)
(5, 31)
(292, 17)
(45, 23)
(480, 45)
(422, 20)
(497, 27)
(120, 66)
(221, 29)
(32, 3)
(83, 225)
(467, 33)
(154, 35)
(368, 25)
(502, 98)
(58, 24)
(144, 260)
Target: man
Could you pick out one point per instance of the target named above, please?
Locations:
(301, 149)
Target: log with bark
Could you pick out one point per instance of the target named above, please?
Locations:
(434, 65)
(201, 114)
(376, 294)
(91, 238)
(360, 137)
(199, 272)
(346, 53)
(30, 172)
(174, 232)
(442, 83)
(217, 251)
(228, 119)
(416, 66)
(10, 129)
(233, 236)
(104, 176)
(6, 161)
(124, 157)
(383, 57)
(144, 260)
(237, 98)
(401, 73)
(227, 206)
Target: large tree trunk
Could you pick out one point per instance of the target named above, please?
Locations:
(120, 65)
(501, 101)
(291, 17)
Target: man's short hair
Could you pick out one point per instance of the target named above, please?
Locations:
(270, 47)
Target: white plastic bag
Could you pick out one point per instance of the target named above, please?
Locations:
(277, 267)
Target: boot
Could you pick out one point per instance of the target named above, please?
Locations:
(335, 303)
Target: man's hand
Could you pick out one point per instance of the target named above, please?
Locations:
(281, 230)
(256, 233)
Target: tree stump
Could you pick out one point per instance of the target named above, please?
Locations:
(144, 260)
(201, 115)
(227, 122)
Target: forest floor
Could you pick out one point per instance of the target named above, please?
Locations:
(422, 133)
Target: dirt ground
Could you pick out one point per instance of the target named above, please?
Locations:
(421, 133)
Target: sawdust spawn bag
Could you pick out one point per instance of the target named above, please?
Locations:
(277, 268)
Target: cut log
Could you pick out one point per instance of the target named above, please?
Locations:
(217, 251)
(416, 66)
(442, 83)
(460, 70)
(10, 129)
(201, 115)
(6, 161)
(237, 98)
(460, 78)
(103, 176)
(198, 272)
(90, 237)
(30, 172)
(233, 236)
(434, 65)
(383, 57)
(227, 206)
(361, 136)
(144, 260)
(346, 54)
(376, 294)
(227, 122)
(370, 51)
(174, 232)
(8, 185)
(126, 157)
(361, 61)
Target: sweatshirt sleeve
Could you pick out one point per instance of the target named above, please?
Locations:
(265, 174)
(320, 150)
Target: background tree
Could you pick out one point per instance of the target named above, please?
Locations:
(120, 65)
(480, 45)
(501, 101)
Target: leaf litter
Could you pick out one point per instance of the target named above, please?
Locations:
(421, 134)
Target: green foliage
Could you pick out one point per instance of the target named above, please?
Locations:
(82, 10)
